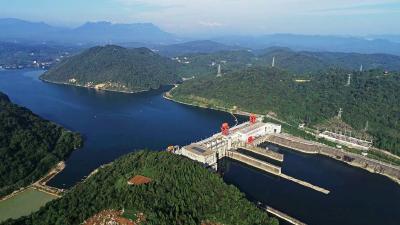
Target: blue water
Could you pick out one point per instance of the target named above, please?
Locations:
(114, 124)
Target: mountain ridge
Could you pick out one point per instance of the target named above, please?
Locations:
(151, 34)
(90, 32)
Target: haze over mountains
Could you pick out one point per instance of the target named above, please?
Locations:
(149, 35)
(95, 33)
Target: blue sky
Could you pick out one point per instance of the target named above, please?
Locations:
(218, 17)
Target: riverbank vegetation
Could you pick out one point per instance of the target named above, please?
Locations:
(181, 192)
(372, 98)
(29, 146)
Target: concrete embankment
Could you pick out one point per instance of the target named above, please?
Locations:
(41, 184)
(264, 152)
(284, 216)
(305, 184)
(269, 168)
(360, 161)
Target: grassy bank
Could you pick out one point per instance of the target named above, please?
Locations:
(23, 203)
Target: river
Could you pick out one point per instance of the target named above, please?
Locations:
(114, 124)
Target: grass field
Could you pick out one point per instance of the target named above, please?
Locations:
(23, 203)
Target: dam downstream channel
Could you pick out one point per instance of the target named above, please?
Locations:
(114, 124)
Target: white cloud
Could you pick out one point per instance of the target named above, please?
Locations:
(247, 16)
(210, 24)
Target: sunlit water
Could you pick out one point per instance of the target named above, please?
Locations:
(114, 124)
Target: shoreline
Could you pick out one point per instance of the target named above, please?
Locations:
(40, 184)
(169, 97)
(239, 113)
(93, 88)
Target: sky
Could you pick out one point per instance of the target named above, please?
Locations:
(220, 17)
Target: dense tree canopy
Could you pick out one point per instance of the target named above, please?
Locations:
(126, 69)
(181, 192)
(373, 96)
(302, 62)
(29, 146)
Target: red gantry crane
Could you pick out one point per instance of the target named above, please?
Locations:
(225, 129)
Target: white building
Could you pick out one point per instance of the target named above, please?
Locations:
(350, 142)
(209, 150)
(199, 153)
(258, 129)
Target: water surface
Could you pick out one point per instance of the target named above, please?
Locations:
(114, 124)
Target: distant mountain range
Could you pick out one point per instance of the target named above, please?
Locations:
(151, 36)
(316, 43)
(389, 37)
(194, 47)
(89, 33)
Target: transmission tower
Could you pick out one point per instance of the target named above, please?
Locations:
(219, 74)
(340, 113)
(349, 80)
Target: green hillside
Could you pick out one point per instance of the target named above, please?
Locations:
(115, 68)
(372, 96)
(314, 62)
(181, 192)
(202, 64)
(296, 62)
(29, 146)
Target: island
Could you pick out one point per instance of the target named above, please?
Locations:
(115, 68)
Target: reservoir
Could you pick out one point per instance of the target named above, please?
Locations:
(114, 124)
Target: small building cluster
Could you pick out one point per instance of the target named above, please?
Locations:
(348, 141)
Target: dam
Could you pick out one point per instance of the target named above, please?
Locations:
(246, 136)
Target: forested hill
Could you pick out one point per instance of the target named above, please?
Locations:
(181, 191)
(29, 146)
(115, 68)
(306, 62)
(287, 59)
(373, 96)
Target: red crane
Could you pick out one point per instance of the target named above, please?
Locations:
(253, 118)
(250, 140)
(225, 129)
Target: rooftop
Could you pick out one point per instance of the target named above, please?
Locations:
(139, 180)
(199, 149)
(250, 127)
